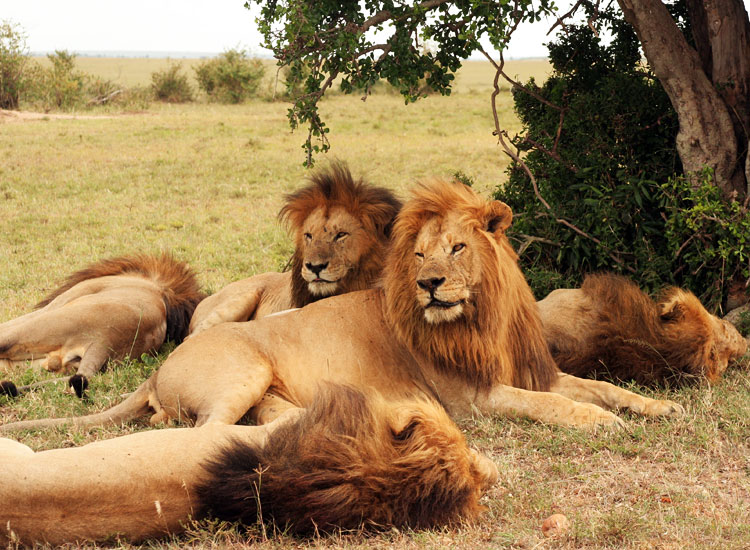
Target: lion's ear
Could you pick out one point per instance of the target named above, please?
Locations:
(671, 311)
(499, 216)
(406, 431)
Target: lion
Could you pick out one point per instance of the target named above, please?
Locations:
(610, 329)
(349, 460)
(115, 308)
(341, 229)
(454, 320)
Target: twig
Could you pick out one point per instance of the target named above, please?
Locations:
(561, 20)
(104, 99)
(554, 154)
(385, 15)
(683, 245)
(528, 240)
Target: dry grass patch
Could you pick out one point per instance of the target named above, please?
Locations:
(206, 181)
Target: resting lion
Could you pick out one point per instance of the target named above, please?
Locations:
(341, 228)
(610, 329)
(118, 307)
(349, 460)
(454, 320)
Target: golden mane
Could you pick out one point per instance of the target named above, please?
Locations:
(670, 341)
(502, 302)
(375, 208)
(350, 461)
(180, 289)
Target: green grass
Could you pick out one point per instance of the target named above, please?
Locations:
(206, 181)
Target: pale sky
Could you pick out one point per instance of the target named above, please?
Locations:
(168, 26)
(174, 26)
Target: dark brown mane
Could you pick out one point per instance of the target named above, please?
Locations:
(347, 463)
(499, 339)
(635, 338)
(180, 288)
(375, 207)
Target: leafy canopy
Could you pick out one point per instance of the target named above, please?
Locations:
(411, 45)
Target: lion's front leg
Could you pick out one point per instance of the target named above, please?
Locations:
(218, 309)
(613, 397)
(270, 408)
(546, 407)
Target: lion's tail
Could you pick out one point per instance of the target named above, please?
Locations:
(180, 288)
(350, 461)
(133, 406)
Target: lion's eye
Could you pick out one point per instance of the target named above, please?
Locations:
(308, 236)
(340, 235)
(419, 255)
(458, 247)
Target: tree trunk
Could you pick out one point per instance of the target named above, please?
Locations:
(729, 34)
(707, 134)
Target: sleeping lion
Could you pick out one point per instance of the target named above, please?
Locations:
(611, 329)
(348, 461)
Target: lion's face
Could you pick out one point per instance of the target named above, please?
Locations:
(331, 245)
(448, 267)
(728, 344)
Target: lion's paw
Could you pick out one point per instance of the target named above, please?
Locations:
(588, 415)
(663, 407)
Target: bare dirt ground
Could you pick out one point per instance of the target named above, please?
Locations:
(25, 116)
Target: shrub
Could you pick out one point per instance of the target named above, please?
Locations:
(600, 172)
(13, 59)
(171, 85)
(66, 84)
(708, 238)
(231, 77)
(57, 87)
(61, 86)
(610, 173)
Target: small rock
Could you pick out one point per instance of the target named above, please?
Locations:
(555, 525)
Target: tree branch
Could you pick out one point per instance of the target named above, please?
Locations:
(502, 134)
(385, 15)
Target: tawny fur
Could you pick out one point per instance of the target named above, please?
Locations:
(499, 339)
(180, 288)
(113, 308)
(349, 459)
(469, 352)
(610, 329)
(352, 462)
(373, 208)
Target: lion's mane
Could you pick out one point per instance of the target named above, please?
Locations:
(375, 207)
(180, 289)
(669, 341)
(502, 304)
(350, 461)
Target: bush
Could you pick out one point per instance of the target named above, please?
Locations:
(708, 238)
(231, 77)
(13, 59)
(601, 172)
(171, 85)
(63, 87)
(618, 200)
(65, 84)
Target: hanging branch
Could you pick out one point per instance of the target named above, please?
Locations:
(502, 135)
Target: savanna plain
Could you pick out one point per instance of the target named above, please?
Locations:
(205, 182)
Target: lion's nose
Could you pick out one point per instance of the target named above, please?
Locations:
(430, 284)
(316, 268)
